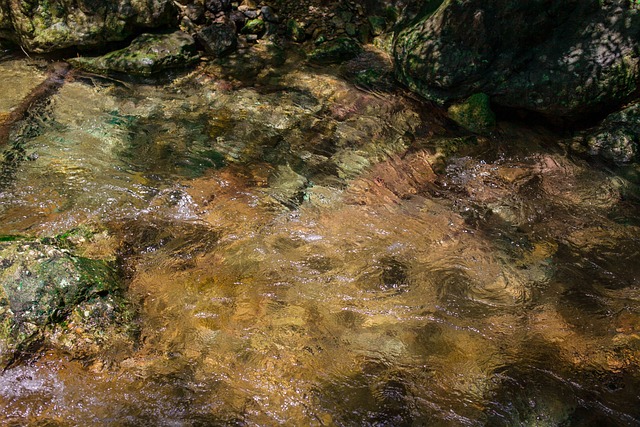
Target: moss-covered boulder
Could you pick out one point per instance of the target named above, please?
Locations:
(474, 113)
(44, 26)
(146, 55)
(617, 137)
(49, 296)
(335, 51)
(558, 57)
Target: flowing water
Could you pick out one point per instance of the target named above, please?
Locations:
(304, 252)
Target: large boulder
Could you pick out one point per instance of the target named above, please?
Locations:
(44, 26)
(147, 54)
(555, 57)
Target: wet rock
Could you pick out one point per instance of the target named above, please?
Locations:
(474, 114)
(617, 137)
(558, 58)
(47, 26)
(51, 296)
(287, 186)
(335, 51)
(147, 54)
(218, 39)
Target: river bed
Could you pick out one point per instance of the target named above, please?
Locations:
(303, 251)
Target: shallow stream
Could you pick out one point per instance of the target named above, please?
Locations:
(306, 252)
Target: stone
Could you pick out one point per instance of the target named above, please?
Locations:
(43, 286)
(254, 26)
(350, 29)
(474, 114)
(335, 51)
(295, 31)
(195, 12)
(218, 39)
(45, 26)
(250, 13)
(238, 18)
(268, 14)
(216, 6)
(558, 58)
(146, 55)
(378, 24)
(617, 137)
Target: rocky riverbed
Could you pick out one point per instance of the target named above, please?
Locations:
(272, 230)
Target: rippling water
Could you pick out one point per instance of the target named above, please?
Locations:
(307, 253)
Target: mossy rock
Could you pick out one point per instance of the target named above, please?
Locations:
(378, 24)
(560, 59)
(254, 26)
(43, 286)
(146, 55)
(295, 31)
(45, 26)
(616, 139)
(335, 51)
(474, 114)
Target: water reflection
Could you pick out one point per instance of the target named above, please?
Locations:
(309, 254)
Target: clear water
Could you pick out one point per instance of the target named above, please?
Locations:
(308, 253)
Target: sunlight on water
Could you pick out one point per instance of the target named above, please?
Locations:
(313, 255)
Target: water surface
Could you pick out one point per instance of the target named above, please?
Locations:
(305, 252)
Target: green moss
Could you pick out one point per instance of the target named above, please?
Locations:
(253, 26)
(147, 54)
(378, 24)
(10, 238)
(335, 51)
(474, 114)
(295, 31)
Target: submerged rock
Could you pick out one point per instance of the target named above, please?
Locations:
(146, 55)
(45, 26)
(558, 58)
(50, 296)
